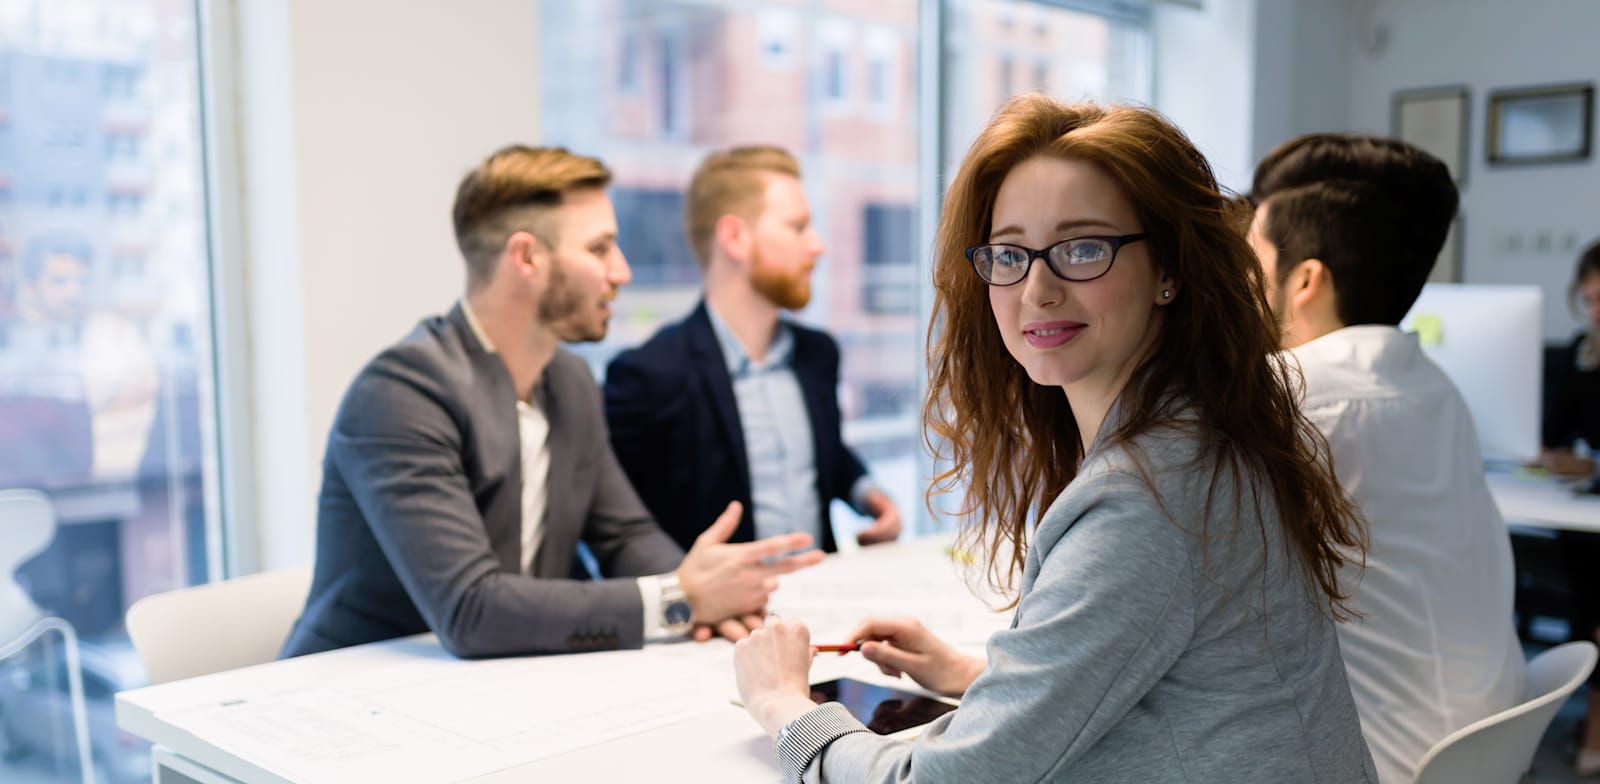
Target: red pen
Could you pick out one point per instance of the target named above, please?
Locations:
(839, 649)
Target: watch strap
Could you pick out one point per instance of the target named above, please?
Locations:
(673, 598)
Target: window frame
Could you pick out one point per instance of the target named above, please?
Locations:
(232, 530)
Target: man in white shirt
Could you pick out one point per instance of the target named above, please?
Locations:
(1347, 229)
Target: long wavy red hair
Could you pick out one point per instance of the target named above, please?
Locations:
(1011, 446)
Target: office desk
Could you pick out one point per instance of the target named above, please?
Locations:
(1543, 502)
(662, 713)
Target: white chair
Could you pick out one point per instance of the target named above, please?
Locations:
(27, 524)
(1499, 749)
(220, 626)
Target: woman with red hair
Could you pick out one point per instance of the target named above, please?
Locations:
(1104, 388)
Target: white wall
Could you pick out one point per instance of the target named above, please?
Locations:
(1509, 213)
(1204, 79)
(356, 121)
(1334, 65)
(1303, 48)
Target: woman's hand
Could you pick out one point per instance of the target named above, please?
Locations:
(773, 667)
(904, 646)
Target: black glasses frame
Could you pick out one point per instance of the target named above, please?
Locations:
(1116, 244)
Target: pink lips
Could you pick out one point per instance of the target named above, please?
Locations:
(1049, 334)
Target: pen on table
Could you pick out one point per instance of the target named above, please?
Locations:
(839, 649)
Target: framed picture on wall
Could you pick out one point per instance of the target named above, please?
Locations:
(1450, 266)
(1435, 119)
(1550, 124)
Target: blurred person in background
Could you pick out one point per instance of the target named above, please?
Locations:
(1572, 412)
(46, 423)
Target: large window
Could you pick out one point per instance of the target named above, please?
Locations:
(836, 88)
(1079, 50)
(888, 260)
(105, 357)
(654, 242)
(838, 85)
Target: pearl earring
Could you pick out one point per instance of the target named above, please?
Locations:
(1166, 294)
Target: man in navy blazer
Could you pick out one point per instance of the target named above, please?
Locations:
(735, 402)
(469, 460)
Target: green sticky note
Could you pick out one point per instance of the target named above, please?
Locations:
(1429, 329)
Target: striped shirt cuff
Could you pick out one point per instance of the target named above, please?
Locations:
(801, 740)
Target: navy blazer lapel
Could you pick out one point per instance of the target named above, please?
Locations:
(706, 354)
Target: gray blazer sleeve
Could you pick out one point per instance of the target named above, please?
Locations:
(1111, 610)
(400, 453)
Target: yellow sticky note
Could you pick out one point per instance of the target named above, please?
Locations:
(959, 556)
(1429, 329)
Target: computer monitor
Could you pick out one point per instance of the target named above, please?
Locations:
(1489, 339)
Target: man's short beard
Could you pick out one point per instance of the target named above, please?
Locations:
(787, 291)
(560, 304)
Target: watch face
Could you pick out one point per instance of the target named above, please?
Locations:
(678, 612)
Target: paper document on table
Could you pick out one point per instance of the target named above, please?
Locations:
(834, 597)
(313, 736)
(434, 720)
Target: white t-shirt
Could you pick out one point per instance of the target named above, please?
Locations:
(534, 429)
(1436, 648)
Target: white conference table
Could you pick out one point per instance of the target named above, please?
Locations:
(1543, 502)
(404, 710)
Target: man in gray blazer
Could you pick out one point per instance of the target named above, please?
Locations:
(468, 461)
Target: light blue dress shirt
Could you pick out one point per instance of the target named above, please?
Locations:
(777, 436)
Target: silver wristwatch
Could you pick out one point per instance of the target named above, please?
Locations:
(676, 615)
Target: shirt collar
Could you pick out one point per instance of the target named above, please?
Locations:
(779, 353)
(537, 402)
(476, 327)
(1365, 345)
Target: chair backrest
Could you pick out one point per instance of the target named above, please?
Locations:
(27, 524)
(216, 627)
(1499, 749)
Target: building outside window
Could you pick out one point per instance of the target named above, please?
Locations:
(838, 58)
(738, 87)
(889, 268)
(1070, 53)
(106, 393)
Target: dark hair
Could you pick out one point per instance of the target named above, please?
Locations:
(1013, 445)
(1588, 264)
(1375, 211)
(512, 191)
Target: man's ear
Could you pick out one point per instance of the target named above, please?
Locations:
(1309, 282)
(525, 254)
(734, 237)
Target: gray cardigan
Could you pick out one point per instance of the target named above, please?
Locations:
(1135, 654)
